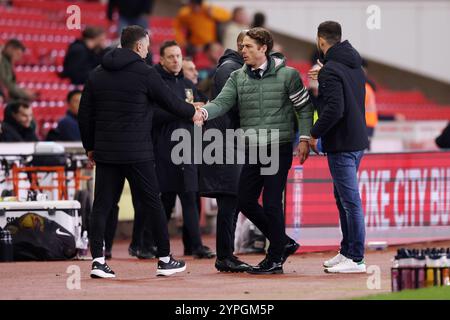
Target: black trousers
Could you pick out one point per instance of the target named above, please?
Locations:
(111, 226)
(226, 225)
(269, 218)
(144, 186)
(191, 216)
(142, 237)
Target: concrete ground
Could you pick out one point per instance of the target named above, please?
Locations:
(303, 278)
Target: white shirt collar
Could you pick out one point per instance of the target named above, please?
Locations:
(262, 68)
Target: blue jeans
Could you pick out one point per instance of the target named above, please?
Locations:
(343, 168)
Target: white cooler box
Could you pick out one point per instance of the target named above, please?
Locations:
(64, 213)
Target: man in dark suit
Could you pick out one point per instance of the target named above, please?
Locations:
(115, 119)
(178, 179)
(342, 128)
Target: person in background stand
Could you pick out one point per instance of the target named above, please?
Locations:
(12, 52)
(196, 25)
(84, 54)
(259, 20)
(18, 125)
(67, 129)
(131, 12)
(239, 22)
(190, 70)
(371, 105)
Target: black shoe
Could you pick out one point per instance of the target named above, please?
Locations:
(203, 253)
(171, 267)
(146, 254)
(187, 252)
(101, 271)
(267, 266)
(289, 249)
(232, 264)
(133, 251)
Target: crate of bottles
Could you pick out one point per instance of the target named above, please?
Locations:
(420, 268)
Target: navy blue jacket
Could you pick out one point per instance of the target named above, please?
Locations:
(68, 129)
(342, 122)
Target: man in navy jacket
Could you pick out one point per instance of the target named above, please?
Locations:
(342, 127)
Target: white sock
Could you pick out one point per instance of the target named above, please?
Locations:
(100, 260)
(165, 259)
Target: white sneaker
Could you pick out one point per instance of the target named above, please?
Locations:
(348, 266)
(334, 261)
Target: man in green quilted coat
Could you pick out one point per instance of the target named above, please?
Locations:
(271, 98)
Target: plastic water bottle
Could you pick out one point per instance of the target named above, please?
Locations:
(84, 244)
(6, 246)
(395, 275)
(433, 274)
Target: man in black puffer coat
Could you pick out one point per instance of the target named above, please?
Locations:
(115, 119)
(221, 181)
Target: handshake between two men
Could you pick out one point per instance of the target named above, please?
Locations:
(302, 149)
(199, 116)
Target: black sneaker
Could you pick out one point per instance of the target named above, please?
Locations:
(146, 254)
(171, 267)
(232, 264)
(101, 271)
(290, 248)
(203, 253)
(133, 251)
(267, 266)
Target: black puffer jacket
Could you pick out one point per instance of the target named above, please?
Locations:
(117, 105)
(341, 123)
(79, 61)
(218, 179)
(173, 177)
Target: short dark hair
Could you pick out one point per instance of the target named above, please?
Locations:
(331, 31)
(92, 32)
(72, 93)
(259, 20)
(14, 43)
(167, 44)
(132, 34)
(262, 37)
(14, 106)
